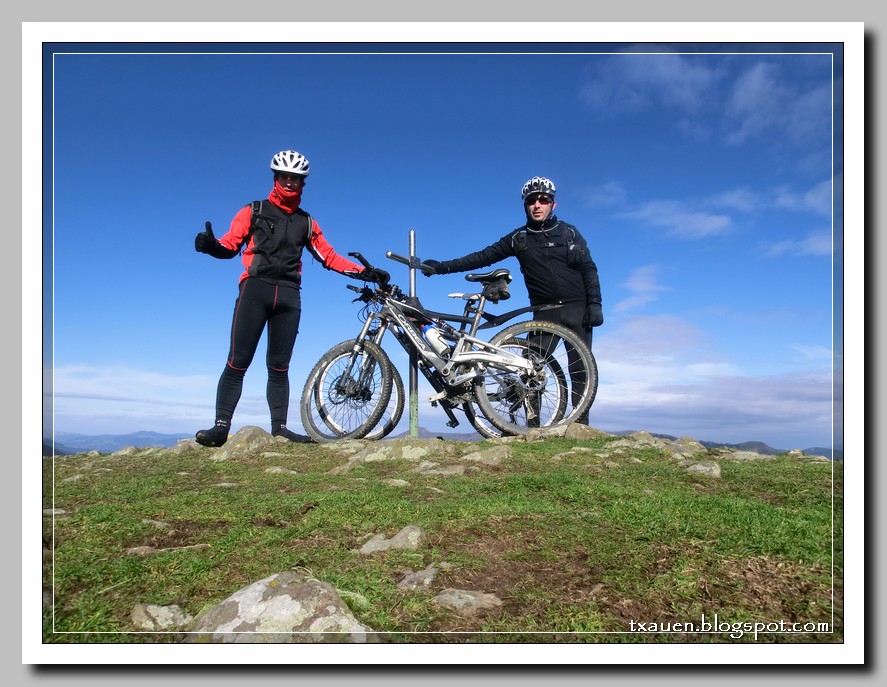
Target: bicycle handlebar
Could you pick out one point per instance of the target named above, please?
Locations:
(362, 260)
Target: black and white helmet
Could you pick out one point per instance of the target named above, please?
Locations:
(538, 185)
(290, 162)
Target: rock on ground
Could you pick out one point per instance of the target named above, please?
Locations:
(467, 602)
(285, 608)
(410, 537)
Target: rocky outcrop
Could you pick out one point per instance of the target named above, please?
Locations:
(285, 608)
(154, 618)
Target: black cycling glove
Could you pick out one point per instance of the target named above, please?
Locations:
(375, 274)
(205, 239)
(594, 316)
(206, 242)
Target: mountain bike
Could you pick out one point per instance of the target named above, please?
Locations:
(530, 374)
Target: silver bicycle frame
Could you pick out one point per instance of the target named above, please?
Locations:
(493, 356)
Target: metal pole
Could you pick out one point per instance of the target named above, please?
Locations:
(414, 356)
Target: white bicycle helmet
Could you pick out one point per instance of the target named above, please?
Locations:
(290, 162)
(538, 185)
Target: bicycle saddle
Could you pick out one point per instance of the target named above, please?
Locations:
(500, 273)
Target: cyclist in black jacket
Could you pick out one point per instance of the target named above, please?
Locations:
(554, 259)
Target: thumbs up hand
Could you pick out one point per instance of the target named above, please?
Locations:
(205, 240)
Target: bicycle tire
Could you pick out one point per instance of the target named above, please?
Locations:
(555, 412)
(551, 407)
(515, 404)
(393, 411)
(334, 408)
(480, 423)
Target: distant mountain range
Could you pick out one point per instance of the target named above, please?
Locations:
(68, 442)
(753, 446)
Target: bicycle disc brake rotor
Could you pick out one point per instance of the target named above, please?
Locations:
(348, 390)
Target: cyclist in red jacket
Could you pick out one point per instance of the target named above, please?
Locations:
(273, 234)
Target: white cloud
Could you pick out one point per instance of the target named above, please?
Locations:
(117, 399)
(642, 283)
(610, 193)
(700, 218)
(817, 353)
(680, 221)
(762, 102)
(754, 104)
(657, 373)
(638, 340)
(695, 129)
(817, 244)
(742, 200)
(661, 375)
(633, 83)
(126, 384)
(786, 411)
(817, 199)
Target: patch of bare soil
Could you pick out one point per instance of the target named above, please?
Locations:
(762, 588)
(517, 572)
(175, 533)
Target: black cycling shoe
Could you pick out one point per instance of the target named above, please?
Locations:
(292, 436)
(217, 436)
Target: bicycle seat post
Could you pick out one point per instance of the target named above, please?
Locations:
(478, 313)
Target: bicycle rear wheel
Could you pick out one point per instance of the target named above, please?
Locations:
(346, 392)
(480, 423)
(565, 372)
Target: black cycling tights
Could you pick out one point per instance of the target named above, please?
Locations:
(260, 304)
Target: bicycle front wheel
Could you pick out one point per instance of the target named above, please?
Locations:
(564, 376)
(346, 392)
(393, 411)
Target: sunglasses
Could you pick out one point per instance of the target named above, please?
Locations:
(542, 200)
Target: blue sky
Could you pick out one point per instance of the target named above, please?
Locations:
(706, 179)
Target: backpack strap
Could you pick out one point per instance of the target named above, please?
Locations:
(256, 206)
(519, 239)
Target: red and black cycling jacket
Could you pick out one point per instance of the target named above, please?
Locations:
(273, 238)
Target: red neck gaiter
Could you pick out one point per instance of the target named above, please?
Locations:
(288, 201)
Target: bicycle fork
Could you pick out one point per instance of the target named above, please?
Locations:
(347, 385)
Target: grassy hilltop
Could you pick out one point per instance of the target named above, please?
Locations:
(580, 541)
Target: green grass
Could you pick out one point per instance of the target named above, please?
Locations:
(575, 548)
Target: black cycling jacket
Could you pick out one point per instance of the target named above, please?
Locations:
(554, 259)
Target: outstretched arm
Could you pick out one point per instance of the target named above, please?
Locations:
(327, 256)
(493, 253)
